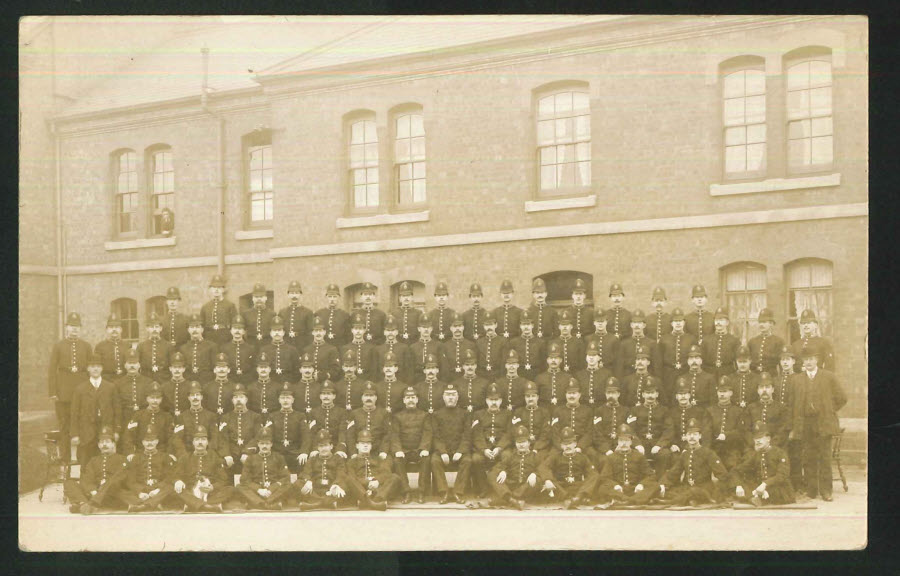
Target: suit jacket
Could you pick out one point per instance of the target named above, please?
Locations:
(92, 409)
(829, 399)
(68, 367)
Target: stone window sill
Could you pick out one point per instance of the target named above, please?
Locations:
(561, 203)
(384, 219)
(254, 234)
(139, 243)
(775, 185)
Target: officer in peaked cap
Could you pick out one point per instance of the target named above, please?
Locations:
(473, 318)
(335, 320)
(581, 313)
(699, 322)
(659, 322)
(507, 314)
(766, 346)
(441, 316)
(720, 348)
(67, 369)
(411, 442)
(544, 316)
(199, 353)
(112, 349)
(406, 315)
(258, 318)
(174, 323)
(532, 350)
(374, 317)
(298, 319)
(809, 333)
(154, 352)
(217, 313)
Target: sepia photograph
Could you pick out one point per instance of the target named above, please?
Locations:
(415, 283)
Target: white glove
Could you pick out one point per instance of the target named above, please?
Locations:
(75, 440)
(548, 485)
(423, 453)
(617, 488)
(301, 459)
(532, 479)
(144, 496)
(675, 448)
(639, 488)
(307, 488)
(654, 450)
(445, 458)
(495, 452)
(383, 455)
(488, 454)
(501, 477)
(179, 486)
(457, 456)
(639, 449)
(399, 455)
(609, 452)
(739, 492)
(720, 437)
(229, 461)
(373, 485)
(264, 492)
(130, 457)
(313, 453)
(154, 492)
(337, 491)
(354, 456)
(761, 488)
(662, 490)
(243, 458)
(340, 453)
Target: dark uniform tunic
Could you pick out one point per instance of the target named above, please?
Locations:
(579, 418)
(508, 318)
(175, 396)
(699, 325)
(776, 416)
(634, 386)
(147, 472)
(411, 432)
(728, 420)
(765, 353)
(217, 397)
(237, 436)
(607, 419)
(418, 352)
(290, 435)
(452, 356)
(679, 417)
(298, 323)
(440, 319)
(199, 358)
(628, 355)
(489, 430)
(653, 428)
(192, 468)
(186, 423)
(374, 319)
(407, 323)
(572, 475)
(241, 360)
(703, 387)
(491, 354)
(572, 352)
(306, 395)
(518, 467)
(366, 359)
(325, 360)
(430, 393)
(265, 471)
(377, 421)
(153, 355)
(337, 325)
(112, 353)
(582, 321)
(401, 353)
(546, 321)
(131, 396)
(104, 474)
(532, 353)
(216, 317)
(332, 420)
(451, 434)
(262, 397)
(365, 468)
(674, 350)
(744, 385)
(698, 466)
(619, 322)
(390, 394)
(473, 320)
(135, 429)
(719, 354)
(627, 468)
(174, 329)
(593, 385)
(348, 391)
(323, 473)
(659, 324)
(537, 420)
(609, 347)
(770, 466)
(471, 392)
(284, 359)
(826, 350)
(512, 390)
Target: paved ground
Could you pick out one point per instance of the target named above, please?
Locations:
(840, 524)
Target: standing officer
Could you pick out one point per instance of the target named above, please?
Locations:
(512, 386)
(451, 442)
(175, 389)
(324, 355)
(720, 348)
(421, 348)
(150, 417)
(328, 418)
(634, 384)
(568, 474)
(190, 420)
(491, 430)
(290, 431)
(216, 314)
(582, 315)
(93, 407)
(131, 392)
(728, 426)
(545, 317)
(659, 323)
(411, 437)
(551, 384)
(263, 393)
(441, 316)
(390, 388)
(702, 385)
(536, 419)
(392, 345)
(491, 348)
(350, 387)
(765, 347)
(363, 349)
(200, 477)
(335, 320)
(470, 386)
(266, 481)
(629, 346)
(626, 476)
(744, 382)
(699, 322)
(775, 416)
(240, 353)
(473, 318)
(154, 352)
(607, 419)
(237, 431)
(306, 391)
(619, 318)
(683, 412)
(675, 347)
(531, 350)
(430, 388)
(372, 418)
(218, 392)
(68, 366)
(507, 315)
(258, 318)
(593, 378)
(817, 398)
(607, 343)
(174, 330)
(101, 477)
(514, 477)
(407, 316)
(373, 318)
(297, 318)
(199, 353)
(783, 390)
(453, 351)
(283, 357)
(654, 430)
(573, 357)
(112, 350)
(766, 468)
(809, 329)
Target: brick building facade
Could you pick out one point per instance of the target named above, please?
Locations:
(663, 190)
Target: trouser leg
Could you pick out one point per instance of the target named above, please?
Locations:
(526, 491)
(478, 473)
(795, 458)
(400, 470)
(500, 491)
(356, 491)
(282, 492)
(249, 495)
(439, 471)
(63, 414)
(390, 489)
(74, 492)
(644, 496)
(187, 497)
(822, 446)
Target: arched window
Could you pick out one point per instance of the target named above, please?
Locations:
(245, 301)
(809, 286)
(125, 183)
(744, 116)
(259, 167)
(419, 295)
(126, 310)
(409, 157)
(560, 285)
(563, 128)
(809, 109)
(156, 304)
(746, 293)
(162, 190)
(363, 154)
(353, 296)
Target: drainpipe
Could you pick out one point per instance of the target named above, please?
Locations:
(221, 184)
(60, 246)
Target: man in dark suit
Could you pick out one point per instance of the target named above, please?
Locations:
(93, 406)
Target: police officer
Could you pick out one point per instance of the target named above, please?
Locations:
(654, 430)
(349, 388)
(767, 469)
(373, 318)
(175, 389)
(619, 318)
(283, 356)
(216, 314)
(200, 480)
(101, 477)
(112, 350)
(689, 480)
(258, 318)
(627, 476)
(720, 348)
(369, 417)
(429, 389)
(328, 418)
(567, 474)
(453, 350)
(131, 391)
(199, 353)
(325, 357)
(442, 315)
(451, 442)
(241, 354)
(390, 388)
(470, 386)
(237, 432)
(266, 480)
(491, 430)
(147, 483)
(154, 352)
(512, 386)
(150, 417)
(370, 482)
(728, 426)
(702, 384)
(608, 344)
(218, 392)
(743, 381)
(629, 346)
(364, 350)
(551, 384)
(420, 349)
(674, 348)
(491, 348)
(174, 329)
(324, 475)
(411, 437)
(473, 318)
(582, 315)
(298, 319)
(406, 315)
(593, 378)
(398, 349)
(607, 418)
(766, 410)
(532, 350)
(699, 322)
(659, 323)
(507, 314)
(634, 384)
(190, 420)
(536, 418)
(575, 415)
(290, 431)
(263, 392)
(783, 390)
(514, 478)
(572, 349)
(683, 412)
(545, 317)
(809, 330)
(765, 347)
(306, 390)
(93, 407)
(335, 320)
(68, 367)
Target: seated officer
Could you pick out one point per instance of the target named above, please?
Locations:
(470, 386)
(323, 478)
(290, 435)
(691, 475)
(200, 477)
(100, 478)
(148, 480)
(608, 418)
(187, 422)
(654, 433)
(536, 419)
(627, 476)
(767, 468)
(266, 480)
(411, 444)
(514, 477)
(370, 482)
(568, 475)
(452, 443)
(151, 416)
(491, 430)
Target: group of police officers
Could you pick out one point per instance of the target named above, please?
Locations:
(326, 409)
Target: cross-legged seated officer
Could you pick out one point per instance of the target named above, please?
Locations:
(370, 482)
(100, 478)
(627, 476)
(411, 444)
(266, 480)
(491, 430)
(568, 475)
(148, 482)
(767, 469)
(514, 478)
(200, 477)
(451, 440)
(691, 476)
(536, 419)
(322, 480)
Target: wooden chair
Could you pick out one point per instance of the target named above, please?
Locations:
(836, 456)
(56, 466)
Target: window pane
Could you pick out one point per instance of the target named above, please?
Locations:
(566, 174)
(583, 151)
(371, 135)
(755, 82)
(755, 109)
(582, 127)
(419, 191)
(256, 159)
(418, 148)
(798, 76)
(257, 210)
(798, 152)
(168, 164)
(756, 157)
(169, 185)
(359, 177)
(821, 126)
(819, 73)
(735, 136)
(402, 150)
(734, 111)
(545, 106)
(403, 127)
(564, 130)
(821, 150)
(371, 175)
(267, 157)
(820, 275)
(357, 133)
(372, 194)
(733, 85)
(580, 101)
(548, 155)
(820, 101)
(405, 192)
(799, 129)
(267, 179)
(548, 177)
(584, 174)
(756, 278)
(405, 172)
(735, 159)
(798, 104)
(563, 103)
(736, 279)
(359, 195)
(256, 180)
(417, 125)
(371, 154)
(565, 153)
(158, 182)
(270, 206)
(545, 132)
(756, 133)
(356, 155)
(419, 170)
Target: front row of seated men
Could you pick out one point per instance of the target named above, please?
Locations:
(571, 454)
